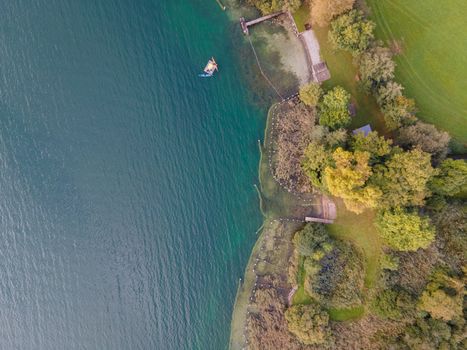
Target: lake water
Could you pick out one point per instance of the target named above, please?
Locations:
(127, 206)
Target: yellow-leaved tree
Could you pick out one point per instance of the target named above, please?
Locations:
(348, 179)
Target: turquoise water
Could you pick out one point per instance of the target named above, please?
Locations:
(127, 206)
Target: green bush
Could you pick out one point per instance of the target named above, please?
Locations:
(309, 323)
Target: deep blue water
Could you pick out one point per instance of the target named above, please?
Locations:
(127, 206)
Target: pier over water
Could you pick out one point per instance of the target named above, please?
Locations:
(246, 24)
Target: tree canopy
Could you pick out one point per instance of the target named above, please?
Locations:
(351, 32)
(310, 94)
(348, 178)
(443, 297)
(404, 230)
(427, 138)
(398, 112)
(309, 323)
(333, 108)
(451, 179)
(377, 146)
(404, 177)
(309, 238)
(316, 159)
(270, 6)
(323, 11)
(376, 68)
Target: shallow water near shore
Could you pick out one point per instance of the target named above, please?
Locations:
(127, 207)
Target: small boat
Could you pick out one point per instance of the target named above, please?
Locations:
(210, 68)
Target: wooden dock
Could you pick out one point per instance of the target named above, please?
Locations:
(328, 214)
(244, 24)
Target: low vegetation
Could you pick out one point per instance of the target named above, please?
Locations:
(271, 6)
(393, 263)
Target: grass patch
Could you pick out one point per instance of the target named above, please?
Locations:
(361, 232)
(301, 296)
(302, 16)
(433, 63)
(346, 314)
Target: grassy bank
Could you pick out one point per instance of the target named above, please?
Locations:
(361, 232)
(433, 61)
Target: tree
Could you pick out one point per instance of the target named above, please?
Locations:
(398, 112)
(427, 138)
(309, 323)
(377, 146)
(404, 230)
(451, 179)
(430, 334)
(270, 6)
(440, 305)
(323, 11)
(308, 239)
(333, 109)
(443, 297)
(403, 178)
(392, 304)
(351, 32)
(316, 159)
(310, 94)
(376, 68)
(387, 93)
(348, 180)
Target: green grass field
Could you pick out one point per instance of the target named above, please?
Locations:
(433, 64)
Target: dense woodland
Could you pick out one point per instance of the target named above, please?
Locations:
(405, 176)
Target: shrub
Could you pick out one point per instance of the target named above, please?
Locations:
(389, 262)
(392, 304)
(309, 323)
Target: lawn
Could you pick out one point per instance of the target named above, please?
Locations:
(361, 232)
(346, 314)
(432, 35)
(302, 16)
(343, 73)
(301, 296)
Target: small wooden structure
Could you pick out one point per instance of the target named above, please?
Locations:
(321, 72)
(323, 221)
(328, 214)
(244, 24)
